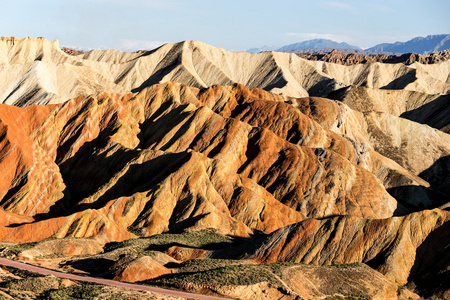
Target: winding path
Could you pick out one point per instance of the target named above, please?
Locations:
(43, 271)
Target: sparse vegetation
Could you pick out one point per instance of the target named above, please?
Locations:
(11, 250)
(135, 248)
(243, 274)
(208, 238)
(34, 284)
(345, 298)
(224, 272)
(199, 265)
(86, 291)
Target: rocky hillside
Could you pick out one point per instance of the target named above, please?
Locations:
(36, 71)
(240, 161)
(225, 188)
(348, 59)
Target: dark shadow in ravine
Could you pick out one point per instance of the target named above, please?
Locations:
(87, 170)
(416, 198)
(93, 266)
(411, 198)
(154, 129)
(435, 114)
(431, 270)
(137, 178)
(401, 82)
(274, 79)
(171, 61)
(323, 88)
(438, 175)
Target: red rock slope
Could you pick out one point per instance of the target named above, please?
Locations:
(178, 158)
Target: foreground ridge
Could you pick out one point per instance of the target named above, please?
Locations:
(42, 271)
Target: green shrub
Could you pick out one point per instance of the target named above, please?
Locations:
(85, 291)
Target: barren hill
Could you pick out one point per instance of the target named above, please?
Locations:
(37, 71)
(121, 155)
(241, 161)
(311, 158)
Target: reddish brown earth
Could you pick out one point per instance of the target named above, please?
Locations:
(71, 51)
(299, 179)
(340, 240)
(140, 269)
(174, 157)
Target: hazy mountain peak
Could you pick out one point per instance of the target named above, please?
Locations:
(262, 49)
(318, 43)
(420, 45)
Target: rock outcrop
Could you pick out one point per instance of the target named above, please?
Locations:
(349, 59)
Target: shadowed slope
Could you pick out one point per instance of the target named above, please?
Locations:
(38, 72)
(173, 158)
(388, 245)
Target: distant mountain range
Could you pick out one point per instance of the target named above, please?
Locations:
(318, 43)
(264, 48)
(420, 45)
(306, 45)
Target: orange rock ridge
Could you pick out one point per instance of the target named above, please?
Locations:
(173, 157)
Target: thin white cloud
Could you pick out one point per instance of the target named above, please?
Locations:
(328, 36)
(379, 7)
(134, 45)
(338, 5)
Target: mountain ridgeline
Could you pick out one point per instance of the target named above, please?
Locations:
(418, 45)
(186, 165)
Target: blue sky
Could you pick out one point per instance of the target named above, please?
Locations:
(231, 24)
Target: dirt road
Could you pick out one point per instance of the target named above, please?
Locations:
(42, 271)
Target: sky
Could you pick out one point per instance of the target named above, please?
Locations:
(131, 25)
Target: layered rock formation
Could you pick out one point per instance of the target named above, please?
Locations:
(388, 245)
(38, 72)
(174, 157)
(430, 109)
(305, 179)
